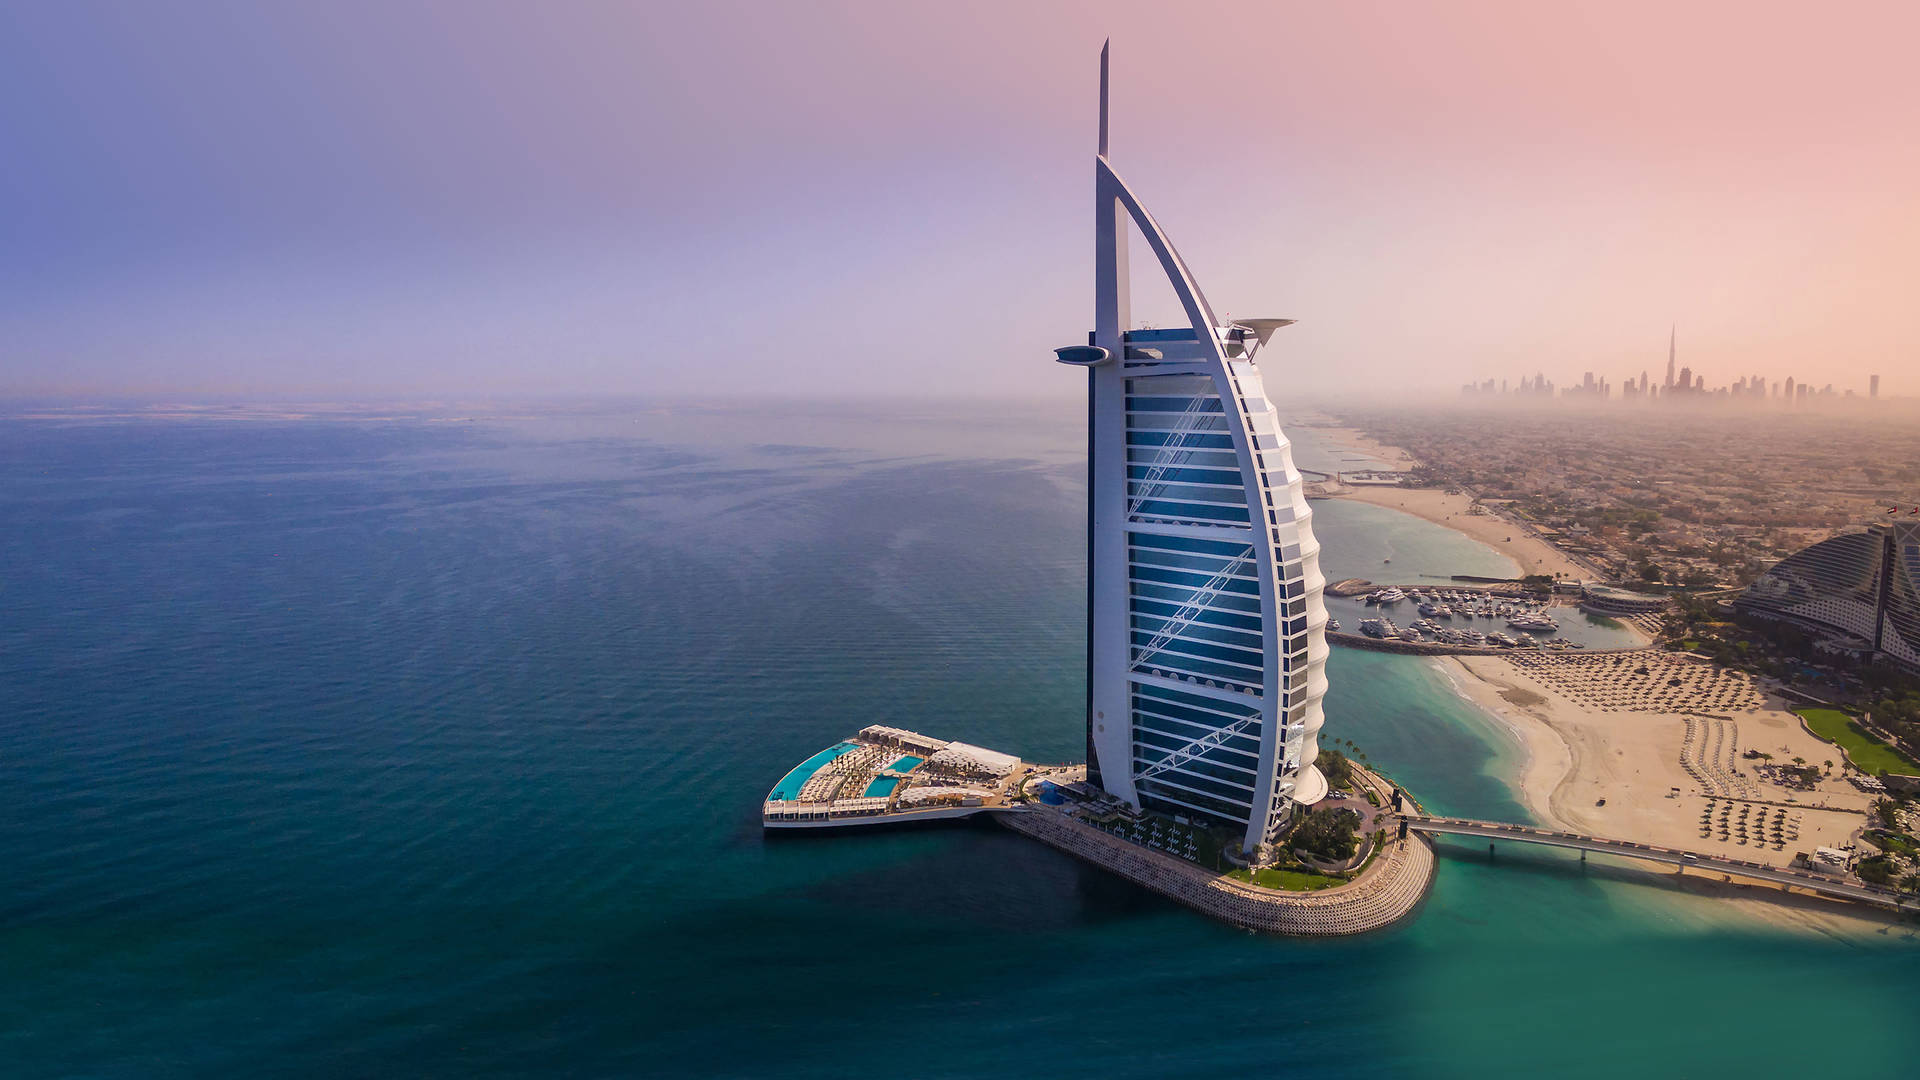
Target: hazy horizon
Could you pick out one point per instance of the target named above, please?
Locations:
(1297, 411)
(375, 201)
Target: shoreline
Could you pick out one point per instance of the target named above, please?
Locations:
(1391, 888)
(1568, 753)
(1340, 439)
(1512, 539)
(1545, 758)
(1532, 554)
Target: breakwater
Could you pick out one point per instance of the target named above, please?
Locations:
(1435, 648)
(1386, 892)
(1412, 648)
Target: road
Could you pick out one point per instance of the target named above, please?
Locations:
(1823, 884)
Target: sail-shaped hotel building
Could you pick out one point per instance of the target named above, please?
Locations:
(1206, 632)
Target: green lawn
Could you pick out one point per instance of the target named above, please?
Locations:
(1290, 880)
(1866, 751)
(1891, 843)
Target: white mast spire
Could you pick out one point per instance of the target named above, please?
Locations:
(1103, 96)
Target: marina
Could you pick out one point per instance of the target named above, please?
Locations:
(1450, 617)
(1463, 620)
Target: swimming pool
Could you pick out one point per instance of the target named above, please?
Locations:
(884, 785)
(788, 789)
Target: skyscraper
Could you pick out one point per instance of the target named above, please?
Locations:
(1206, 647)
(1672, 331)
(1873, 388)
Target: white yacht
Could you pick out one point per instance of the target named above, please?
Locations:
(1536, 621)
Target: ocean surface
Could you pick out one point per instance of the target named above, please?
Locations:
(430, 741)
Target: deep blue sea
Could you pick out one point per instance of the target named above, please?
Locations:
(430, 741)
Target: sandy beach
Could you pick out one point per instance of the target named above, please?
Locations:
(1646, 746)
(1352, 442)
(1611, 754)
(1534, 555)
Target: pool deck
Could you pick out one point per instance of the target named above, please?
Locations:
(790, 785)
(892, 817)
(887, 776)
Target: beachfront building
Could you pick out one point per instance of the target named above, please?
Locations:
(1206, 641)
(1860, 590)
(1607, 600)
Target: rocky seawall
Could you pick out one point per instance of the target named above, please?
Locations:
(1386, 892)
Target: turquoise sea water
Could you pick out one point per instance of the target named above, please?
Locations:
(1361, 537)
(375, 745)
(1386, 546)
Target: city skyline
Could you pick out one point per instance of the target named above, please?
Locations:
(240, 201)
(1681, 384)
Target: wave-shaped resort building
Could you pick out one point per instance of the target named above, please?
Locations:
(1860, 591)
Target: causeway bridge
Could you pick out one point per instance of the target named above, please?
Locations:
(1823, 884)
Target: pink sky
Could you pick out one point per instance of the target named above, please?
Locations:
(836, 198)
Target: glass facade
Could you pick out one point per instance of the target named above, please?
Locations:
(1900, 621)
(1835, 585)
(1205, 642)
(1211, 548)
(1858, 586)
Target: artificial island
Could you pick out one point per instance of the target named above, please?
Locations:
(1207, 628)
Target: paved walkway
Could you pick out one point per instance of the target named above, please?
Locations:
(1822, 884)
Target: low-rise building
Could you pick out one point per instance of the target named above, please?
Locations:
(1608, 600)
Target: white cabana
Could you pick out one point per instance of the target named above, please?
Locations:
(974, 760)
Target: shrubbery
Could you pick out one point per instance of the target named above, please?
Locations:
(1329, 835)
(1875, 871)
(1336, 768)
